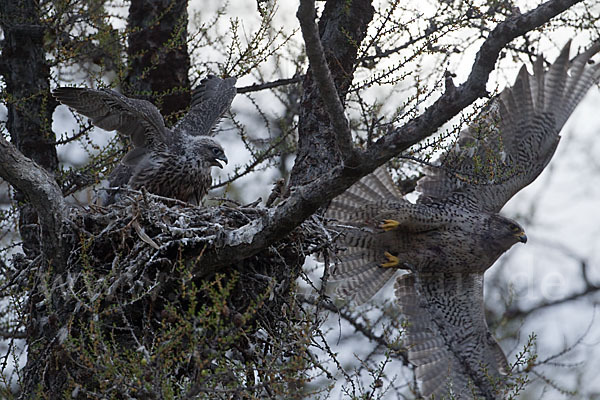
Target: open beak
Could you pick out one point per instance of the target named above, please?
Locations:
(522, 237)
(216, 162)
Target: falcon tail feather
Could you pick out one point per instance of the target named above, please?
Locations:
(355, 261)
(375, 187)
(363, 286)
(357, 267)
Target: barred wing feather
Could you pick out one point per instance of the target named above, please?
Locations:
(447, 336)
(513, 140)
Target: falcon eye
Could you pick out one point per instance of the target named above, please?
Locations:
(216, 151)
(514, 228)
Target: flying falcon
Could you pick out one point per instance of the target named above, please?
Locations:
(453, 234)
(172, 163)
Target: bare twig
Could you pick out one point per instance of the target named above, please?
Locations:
(381, 340)
(513, 313)
(270, 85)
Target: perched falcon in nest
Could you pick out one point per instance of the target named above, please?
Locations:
(172, 163)
(453, 234)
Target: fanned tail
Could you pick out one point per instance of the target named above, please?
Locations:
(373, 188)
(357, 268)
(362, 287)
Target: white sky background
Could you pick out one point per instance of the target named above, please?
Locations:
(566, 198)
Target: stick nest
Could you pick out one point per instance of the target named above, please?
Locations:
(135, 280)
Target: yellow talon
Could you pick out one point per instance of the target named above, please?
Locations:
(393, 260)
(389, 224)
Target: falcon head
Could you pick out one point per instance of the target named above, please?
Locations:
(506, 231)
(207, 151)
(517, 232)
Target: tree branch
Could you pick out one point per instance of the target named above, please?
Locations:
(12, 335)
(342, 28)
(455, 100)
(314, 51)
(367, 332)
(42, 192)
(246, 241)
(513, 313)
(269, 85)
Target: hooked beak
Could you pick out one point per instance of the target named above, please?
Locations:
(521, 236)
(216, 162)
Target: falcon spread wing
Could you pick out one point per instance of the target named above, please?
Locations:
(109, 110)
(170, 163)
(445, 309)
(210, 101)
(453, 234)
(515, 138)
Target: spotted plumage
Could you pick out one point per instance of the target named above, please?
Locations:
(172, 163)
(453, 233)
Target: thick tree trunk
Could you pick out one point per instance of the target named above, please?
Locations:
(158, 55)
(342, 27)
(26, 75)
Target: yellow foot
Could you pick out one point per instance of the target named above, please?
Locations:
(389, 224)
(393, 260)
